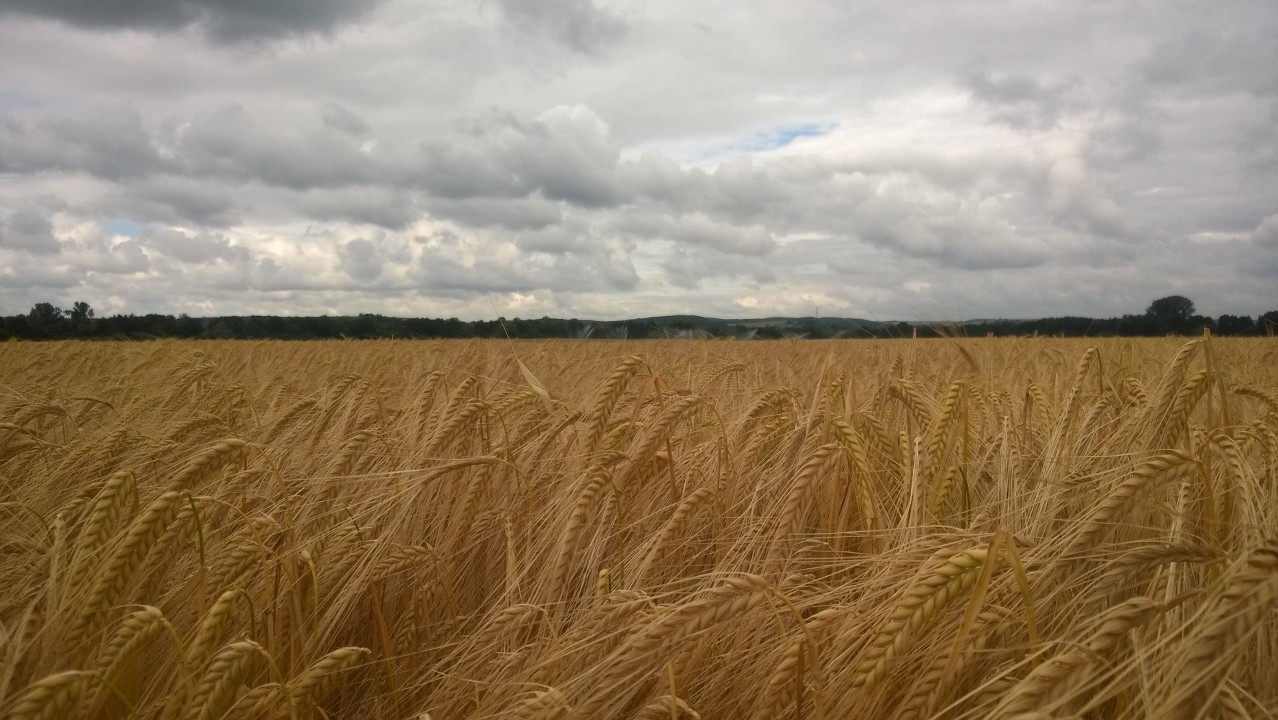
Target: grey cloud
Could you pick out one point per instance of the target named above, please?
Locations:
(1018, 101)
(736, 188)
(382, 206)
(38, 273)
(555, 240)
(909, 203)
(564, 154)
(231, 143)
(1262, 249)
(970, 243)
(578, 24)
(342, 119)
(1078, 200)
(1127, 139)
(361, 260)
(509, 213)
(1221, 52)
(29, 230)
(1257, 143)
(700, 230)
(174, 200)
(224, 20)
(949, 174)
(452, 170)
(107, 141)
(687, 267)
(123, 258)
(450, 277)
(742, 190)
(452, 266)
(198, 248)
(752, 239)
(1266, 233)
(655, 176)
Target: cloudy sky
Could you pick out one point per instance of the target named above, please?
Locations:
(933, 160)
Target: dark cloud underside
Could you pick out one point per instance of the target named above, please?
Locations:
(227, 20)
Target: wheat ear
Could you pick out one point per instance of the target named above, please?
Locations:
(546, 704)
(657, 434)
(320, 679)
(52, 697)
(208, 635)
(937, 434)
(941, 675)
(1066, 672)
(790, 517)
(1168, 467)
(209, 461)
(596, 480)
(134, 632)
(606, 399)
(452, 426)
(682, 514)
(668, 707)
(733, 597)
(615, 688)
(227, 671)
(920, 606)
(780, 690)
(125, 561)
(102, 518)
(855, 448)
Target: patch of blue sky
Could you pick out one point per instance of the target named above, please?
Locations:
(126, 228)
(766, 140)
(778, 137)
(708, 151)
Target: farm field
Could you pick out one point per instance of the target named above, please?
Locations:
(1032, 528)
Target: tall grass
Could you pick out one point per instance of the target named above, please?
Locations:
(391, 530)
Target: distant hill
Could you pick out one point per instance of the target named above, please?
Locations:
(46, 322)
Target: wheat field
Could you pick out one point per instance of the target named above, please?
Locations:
(1008, 528)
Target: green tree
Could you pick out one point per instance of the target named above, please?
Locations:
(80, 312)
(1234, 325)
(1173, 313)
(46, 320)
(44, 313)
(1267, 324)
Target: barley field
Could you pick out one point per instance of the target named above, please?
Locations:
(1006, 528)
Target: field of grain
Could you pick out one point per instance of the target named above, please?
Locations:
(879, 529)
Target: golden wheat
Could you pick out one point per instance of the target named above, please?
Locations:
(965, 528)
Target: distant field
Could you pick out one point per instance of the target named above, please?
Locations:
(982, 528)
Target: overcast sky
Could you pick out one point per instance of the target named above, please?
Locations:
(933, 160)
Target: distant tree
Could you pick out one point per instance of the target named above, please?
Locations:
(45, 313)
(1267, 324)
(1234, 325)
(80, 312)
(46, 320)
(1173, 313)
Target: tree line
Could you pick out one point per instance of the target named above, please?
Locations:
(1172, 315)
